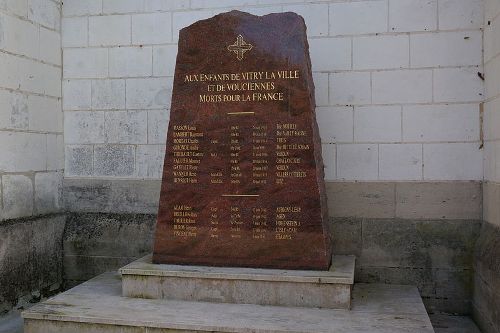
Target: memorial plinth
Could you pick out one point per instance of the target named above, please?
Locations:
(323, 289)
(243, 180)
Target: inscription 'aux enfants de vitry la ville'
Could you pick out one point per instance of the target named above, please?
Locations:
(242, 87)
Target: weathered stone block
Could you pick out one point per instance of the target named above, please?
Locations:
(149, 161)
(108, 235)
(422, 278)
(77, 94)
(22, 152)
(48, 192)
(112, 196)
(114, 160)
(17, 196)
(84, 127)
(439, 200)
(45, 12)
(346, 236)
(108, 94)
(150, 93)
(126, 127)
(157, 126)
(78, 160)
(153, 28)
(292, 288)
(131, 61)
(30, 257)
(486, 297)
(353, 199)
(418, 244)
(85, 63)
(14, 110)
(164, 60)
(83, 268)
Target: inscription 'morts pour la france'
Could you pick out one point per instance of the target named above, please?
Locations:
(243, 174)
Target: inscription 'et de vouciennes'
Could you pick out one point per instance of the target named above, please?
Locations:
(243, 174)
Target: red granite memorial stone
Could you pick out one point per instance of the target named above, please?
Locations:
(243, 181)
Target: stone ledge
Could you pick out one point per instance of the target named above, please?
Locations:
(239, 285)
(97, 306)
(342, 271)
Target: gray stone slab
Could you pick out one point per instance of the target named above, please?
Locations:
(109, 235)
(327, 289)
(361, 199)
(342, 271)
(112, 196)
(97, 306)
(445, 323)
(11, 323)
(439, 200)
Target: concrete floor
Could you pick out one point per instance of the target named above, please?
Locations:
(11, 323)
(442, 323)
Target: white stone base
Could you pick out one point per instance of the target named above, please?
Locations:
(323, 289)
(98, 307)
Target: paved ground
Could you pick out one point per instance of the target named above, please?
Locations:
(443, 323)
(11, 323)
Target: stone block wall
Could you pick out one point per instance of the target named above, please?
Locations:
(397, 84)
(486, 301)
(31, 260)
(32, 150)
(31, 118)
(398, 92)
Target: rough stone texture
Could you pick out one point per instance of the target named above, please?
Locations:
(408, 200)
(97, 306)
(112, 196)
(11, 323)
(451, 200)
(324, 289)
(96, 242)
(445, 323)
(491, 198)
(486, 298)
(435, 255)
(243, 180)
(30, 258)
(30, 103)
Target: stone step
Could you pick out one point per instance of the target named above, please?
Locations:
(98, 307)
(326, 289)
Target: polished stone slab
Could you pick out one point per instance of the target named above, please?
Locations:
(96, 306)
(243, 178)
(325, 289)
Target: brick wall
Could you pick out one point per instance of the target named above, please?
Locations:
(396, 84)
(31, 118)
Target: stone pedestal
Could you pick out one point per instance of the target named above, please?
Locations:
(98, 307)
(293, 288)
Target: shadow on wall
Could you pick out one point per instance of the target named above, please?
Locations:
(31, 259)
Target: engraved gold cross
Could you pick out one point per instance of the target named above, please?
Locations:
(240, 47)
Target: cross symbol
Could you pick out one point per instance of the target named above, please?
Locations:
(240, 47)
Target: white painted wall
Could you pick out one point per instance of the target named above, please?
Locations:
(492, 103)
(396, 84)
(31, 118)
